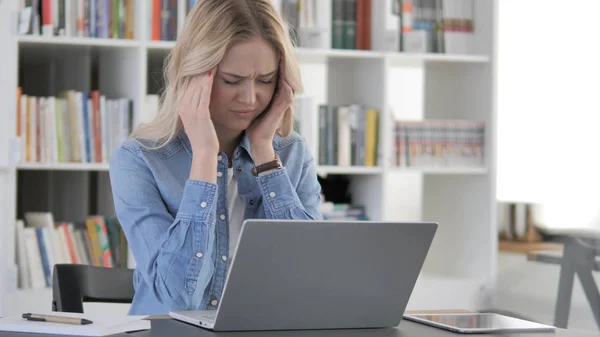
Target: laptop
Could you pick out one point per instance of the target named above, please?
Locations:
(306, 274)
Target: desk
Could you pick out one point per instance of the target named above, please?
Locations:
(579, 257)
(163, 327)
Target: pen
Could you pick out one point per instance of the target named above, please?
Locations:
(56, 319)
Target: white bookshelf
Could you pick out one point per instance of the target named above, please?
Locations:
(461, 265)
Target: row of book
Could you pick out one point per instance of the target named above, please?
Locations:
(42, 242)
(351, 24)
(73, 127)
(440, 143)
(425, 26)
(78, 18)
(163, 19)
(435, 26)
(348, 135)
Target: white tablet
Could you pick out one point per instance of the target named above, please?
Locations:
(478, 322)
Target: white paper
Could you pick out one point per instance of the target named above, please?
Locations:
(101, 326)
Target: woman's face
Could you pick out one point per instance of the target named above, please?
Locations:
(243, 86)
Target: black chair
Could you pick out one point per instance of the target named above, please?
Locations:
(73, 284)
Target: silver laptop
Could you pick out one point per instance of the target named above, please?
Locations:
(304, 274)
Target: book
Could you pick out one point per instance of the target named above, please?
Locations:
(101, 326)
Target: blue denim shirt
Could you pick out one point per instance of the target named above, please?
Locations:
(173, 223)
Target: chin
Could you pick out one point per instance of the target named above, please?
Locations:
(238, 126)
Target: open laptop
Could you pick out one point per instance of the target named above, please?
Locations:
(305, 274)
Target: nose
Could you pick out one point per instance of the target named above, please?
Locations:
(248, 94)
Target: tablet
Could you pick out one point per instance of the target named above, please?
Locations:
(478, 322)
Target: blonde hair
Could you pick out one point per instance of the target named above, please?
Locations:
(211, 28)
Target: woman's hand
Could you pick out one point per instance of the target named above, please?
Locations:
(195, 115)
(262, 130)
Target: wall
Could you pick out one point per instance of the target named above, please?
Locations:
(548, 102)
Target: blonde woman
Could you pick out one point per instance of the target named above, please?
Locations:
(220, 150)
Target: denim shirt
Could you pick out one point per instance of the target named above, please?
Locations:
(178, 228)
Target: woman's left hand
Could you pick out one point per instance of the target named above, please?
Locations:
(262, 130)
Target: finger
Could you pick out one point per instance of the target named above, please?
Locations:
(206, 89)
(282, 71)
(189, 94)
(197, 86)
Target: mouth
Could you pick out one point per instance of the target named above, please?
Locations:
(243, 112)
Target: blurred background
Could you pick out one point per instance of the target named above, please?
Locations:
(480, 115)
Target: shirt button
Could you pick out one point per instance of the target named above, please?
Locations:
(222, 216)
(239, 169)
(214, 302)
(203, 204)
(220, 158)
(224, 258)
(251, 202)
(198, 255)
(272, 194)
(219, 174)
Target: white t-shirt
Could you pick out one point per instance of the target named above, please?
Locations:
(236, 212)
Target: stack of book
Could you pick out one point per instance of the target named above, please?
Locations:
(440, 143)
(109, 19)
(43, 242)
(348, 135)
(163, 19)
(74, 127)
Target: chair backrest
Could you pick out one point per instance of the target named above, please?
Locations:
(73, 284)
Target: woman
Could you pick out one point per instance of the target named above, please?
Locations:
(220, 150)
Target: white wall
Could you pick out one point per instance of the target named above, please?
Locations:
(549, 105)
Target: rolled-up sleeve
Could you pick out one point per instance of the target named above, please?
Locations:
(172, 253)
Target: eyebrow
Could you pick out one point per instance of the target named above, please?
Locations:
(240, 76)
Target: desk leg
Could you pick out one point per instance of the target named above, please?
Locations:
(591, 290)
(565, 287)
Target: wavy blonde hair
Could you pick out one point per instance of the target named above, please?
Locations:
(211, 28)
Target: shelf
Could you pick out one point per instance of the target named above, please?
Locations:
(77, 41)
(455, 58)
(401, 58)
(528, 247)
(395, 57)
(64, 166)
(339, 53)
(160, 45)
(350, 170)
(441, 170)
(412, 85)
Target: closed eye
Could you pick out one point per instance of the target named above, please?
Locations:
(238, 82)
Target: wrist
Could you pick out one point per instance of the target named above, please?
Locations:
(203, 154)
(262, 153)
(204, 167)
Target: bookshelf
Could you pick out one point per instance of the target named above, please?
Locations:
(406, 86)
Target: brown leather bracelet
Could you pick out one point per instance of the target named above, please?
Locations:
(271, 165)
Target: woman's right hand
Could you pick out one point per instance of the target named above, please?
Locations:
(195, 116)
